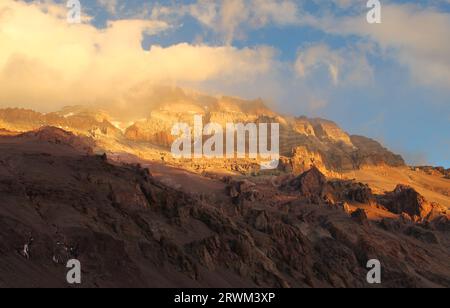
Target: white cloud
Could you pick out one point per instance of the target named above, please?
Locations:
(414, 36)
(46, 62)
(232, 18)
(345, 66)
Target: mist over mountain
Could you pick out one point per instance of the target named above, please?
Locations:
(303, 140)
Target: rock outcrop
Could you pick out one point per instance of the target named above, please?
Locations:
(242, 190)
(351, 191)
(129, 229)
(311, 184)
(405, 199)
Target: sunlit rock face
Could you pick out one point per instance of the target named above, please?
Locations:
(304, 142)
(78, 119)
(406, 200)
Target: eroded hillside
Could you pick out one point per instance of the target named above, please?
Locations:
(130, 228)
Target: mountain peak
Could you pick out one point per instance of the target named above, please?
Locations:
(304, 141)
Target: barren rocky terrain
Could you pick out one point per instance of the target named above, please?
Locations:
(89, 184)
(130, 228)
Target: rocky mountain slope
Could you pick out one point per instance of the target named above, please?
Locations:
(304, 142)
(129, 227)
(77, 119)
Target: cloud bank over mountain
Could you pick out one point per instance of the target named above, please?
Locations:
(315, 57)
(45, 60)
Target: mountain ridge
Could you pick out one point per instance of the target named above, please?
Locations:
(304, 141)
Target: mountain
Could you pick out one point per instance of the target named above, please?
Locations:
(304, 142)
(130, 227)
(101, 186)
(143, 133)
(79, 119)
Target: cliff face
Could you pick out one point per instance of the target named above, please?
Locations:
(303, 141)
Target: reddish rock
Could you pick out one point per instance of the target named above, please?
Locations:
(242, 190)
(351, 191)
(311, 184)
(360, 216)
(405, 199)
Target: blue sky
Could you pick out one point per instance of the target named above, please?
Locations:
(321, 58)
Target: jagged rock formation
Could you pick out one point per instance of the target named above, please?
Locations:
(129, 229)
(405, 199)
(304, 142)
(312, 184)
(351, 191)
